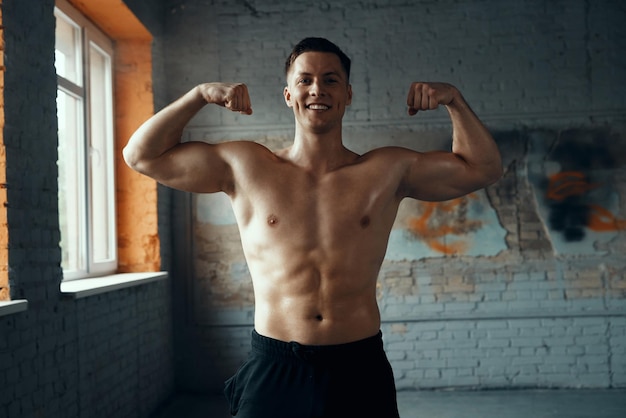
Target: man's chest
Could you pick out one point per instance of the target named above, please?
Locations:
(346, 201)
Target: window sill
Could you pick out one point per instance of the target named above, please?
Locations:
(83, 288)
(13, 306)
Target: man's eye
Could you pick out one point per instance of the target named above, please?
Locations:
(303, 81)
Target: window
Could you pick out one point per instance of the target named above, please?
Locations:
(84, 66)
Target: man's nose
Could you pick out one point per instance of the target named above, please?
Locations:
(317, 89)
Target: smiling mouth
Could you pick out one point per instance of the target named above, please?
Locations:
(315, 106)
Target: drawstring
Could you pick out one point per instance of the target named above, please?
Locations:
(302, 352)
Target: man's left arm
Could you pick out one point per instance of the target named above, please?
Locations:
(475, 160)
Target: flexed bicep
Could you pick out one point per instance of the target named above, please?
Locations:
(196, 167)
(439, 176)
(475, 160)
(155, 149)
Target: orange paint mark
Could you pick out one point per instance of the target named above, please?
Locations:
(567, 184)
(448, 248)
(440, 219)
(574, 184)
(602, 220)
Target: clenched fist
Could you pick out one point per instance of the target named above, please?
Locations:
(428, 96)
(232, 96)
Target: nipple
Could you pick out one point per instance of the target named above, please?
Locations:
(272, 220)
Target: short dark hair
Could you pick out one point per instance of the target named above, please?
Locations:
(317, 45)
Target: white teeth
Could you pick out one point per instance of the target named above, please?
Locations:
(318, 107)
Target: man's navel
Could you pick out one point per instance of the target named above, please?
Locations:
(365, 222)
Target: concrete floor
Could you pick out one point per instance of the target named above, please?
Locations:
(457, 404)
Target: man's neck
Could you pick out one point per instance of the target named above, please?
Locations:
(319, 152)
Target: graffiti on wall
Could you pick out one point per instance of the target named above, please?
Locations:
(572, 209)
(571, 176)
(441, 220)
(463, 226)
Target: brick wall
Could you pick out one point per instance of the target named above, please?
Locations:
(4, 229)
(497, 353)
(123, 351)
(101, 356)
(516, 302)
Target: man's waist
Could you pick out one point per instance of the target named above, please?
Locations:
(309, 352)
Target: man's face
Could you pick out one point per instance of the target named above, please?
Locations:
(318, 91)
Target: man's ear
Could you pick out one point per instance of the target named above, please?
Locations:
(349, 102)
(287, 96)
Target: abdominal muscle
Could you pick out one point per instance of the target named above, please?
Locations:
(315, 306)
(304, 318)
(316, 288)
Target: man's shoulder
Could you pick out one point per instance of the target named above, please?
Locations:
(242, 145)
(247, 150)
(388, 153)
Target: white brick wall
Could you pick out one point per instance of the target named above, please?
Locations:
(494, 353)
(527, 65)
(511, 320)
(518, 62)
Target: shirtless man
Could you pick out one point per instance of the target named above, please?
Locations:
(314, 220)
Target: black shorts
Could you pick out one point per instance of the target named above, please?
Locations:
(290, 380)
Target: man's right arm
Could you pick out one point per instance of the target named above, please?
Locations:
(155, 149)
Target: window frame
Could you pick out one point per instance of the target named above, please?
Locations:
(92, 37)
